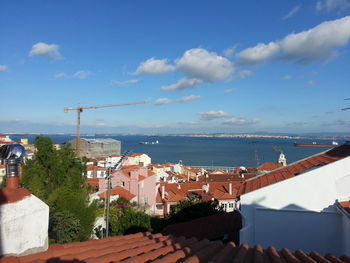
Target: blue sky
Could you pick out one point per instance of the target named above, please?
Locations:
(202, 66)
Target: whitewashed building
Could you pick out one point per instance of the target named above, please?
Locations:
(296, 206)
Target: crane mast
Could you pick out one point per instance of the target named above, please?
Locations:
(80, 109)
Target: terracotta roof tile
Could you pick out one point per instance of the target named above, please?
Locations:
(294, 169)
(269, 166)
(119, 191)
(146, 247)
(94, 182)
(345, 205)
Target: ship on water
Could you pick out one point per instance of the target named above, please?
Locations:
(152, 142)
(316, 144)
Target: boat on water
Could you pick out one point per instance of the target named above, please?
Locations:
(153, 142)
(316, 144)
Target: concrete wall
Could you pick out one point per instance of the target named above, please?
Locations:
(24, 226)
(294, 229)
(315, 191)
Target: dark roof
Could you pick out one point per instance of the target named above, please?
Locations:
(225, 224)
(294, 169)
(146, 247)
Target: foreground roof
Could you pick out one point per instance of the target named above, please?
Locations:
(296, 168)
(146, 247)
(227, 226)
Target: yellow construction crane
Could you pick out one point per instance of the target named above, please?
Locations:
(80, 109)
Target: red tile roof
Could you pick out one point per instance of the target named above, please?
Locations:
(296, 168)
(146, 247)
(119, 191)
(179, 191)
(222, 177)
(94, 182)
(269, 166)
(136, 154)
(345, 205)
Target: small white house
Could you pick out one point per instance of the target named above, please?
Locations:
(295, 206)
(140, 159)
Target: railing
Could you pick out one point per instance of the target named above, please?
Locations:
(211, 168)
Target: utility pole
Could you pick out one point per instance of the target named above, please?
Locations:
(109, 186)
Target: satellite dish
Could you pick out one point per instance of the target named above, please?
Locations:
(205, 188)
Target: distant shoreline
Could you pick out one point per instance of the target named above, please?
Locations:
(243, 135)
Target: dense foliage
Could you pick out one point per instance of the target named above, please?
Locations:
(126, 219)
(190, 208)
(56, 177)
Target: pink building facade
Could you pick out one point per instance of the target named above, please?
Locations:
(138, 181)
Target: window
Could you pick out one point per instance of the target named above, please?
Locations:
(230, 205)
(159, 207)
(224, 206)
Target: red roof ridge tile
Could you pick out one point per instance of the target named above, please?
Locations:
(146, 247)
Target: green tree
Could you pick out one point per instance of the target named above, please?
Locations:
(64, 227)
(56, 177)
(128, 220)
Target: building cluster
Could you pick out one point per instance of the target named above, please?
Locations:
(303, 206)
(158, 187)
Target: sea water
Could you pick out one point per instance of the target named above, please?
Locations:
(207, 151)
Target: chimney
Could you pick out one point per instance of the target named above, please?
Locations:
(24, 219)
(230, 188)
(163, 191)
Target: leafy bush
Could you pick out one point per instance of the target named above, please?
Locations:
(56, 177)
(63, 227)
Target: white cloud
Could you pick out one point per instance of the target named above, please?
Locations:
(210, 115)
(3, 68)
(154, 66)
(162, 101)
(45, 50)
(182, 84)
(229, 90)
(229, 52)
(258, 53)
(330, 5)
(125, 83)
(60, 75)
(312, 82)
(244, 73)
(82, 74)
(318, 43)
(292, 12)
(208, 66)
(240, 121)
(189, 98)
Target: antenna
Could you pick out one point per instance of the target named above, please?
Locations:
(257, 158)
(277, 149)
(109, 186)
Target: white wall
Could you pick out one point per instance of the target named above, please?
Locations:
(24, 226)
(295, 229)
(315, 190)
